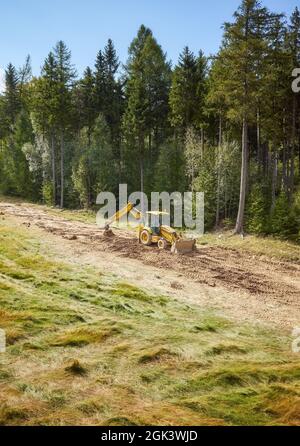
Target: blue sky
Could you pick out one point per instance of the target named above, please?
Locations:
(34, 26)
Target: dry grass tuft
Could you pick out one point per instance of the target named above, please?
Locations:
(155, 354)
(81, 337)
(76, 368)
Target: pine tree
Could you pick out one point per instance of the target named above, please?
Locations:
(25, 74)
(65, 74)
(108, 92)
(147, 86)
(93, 169)
(44, 107)
(100, 81)
(86, 102)
(284, 221)
(258, 210)
(294, 43)
(11, 100)
(243, 49)
(113, 95)
(188, 90)
(111, 59)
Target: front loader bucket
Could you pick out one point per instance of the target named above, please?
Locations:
(183, 246)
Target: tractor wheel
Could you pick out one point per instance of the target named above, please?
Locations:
(145, 238)
(162, 244)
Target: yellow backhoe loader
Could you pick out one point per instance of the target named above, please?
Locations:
(151, 230)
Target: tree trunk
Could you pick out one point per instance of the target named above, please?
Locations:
(89, 192)
(284, 155)
(202, 142)
(141, 153)
(219, 172)
(62, 149)
(292, 165)
(259, 157)
(53, 169)
(239, 228)
(284, 169)
(142, 183)
(265, 158)
(299, 153)
(274, 180)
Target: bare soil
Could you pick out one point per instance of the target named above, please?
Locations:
(245, 286)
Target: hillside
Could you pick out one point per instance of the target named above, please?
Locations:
(102, 331)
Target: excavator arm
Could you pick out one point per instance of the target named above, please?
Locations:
(128, 209)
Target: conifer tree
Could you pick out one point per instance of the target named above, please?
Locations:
(188, 90)
(294, 44)
(86, 102)
(11, 99)
(243, 48)
(44, 108)
(147, 86)
(65, 75)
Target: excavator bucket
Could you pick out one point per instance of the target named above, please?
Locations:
(183, 246)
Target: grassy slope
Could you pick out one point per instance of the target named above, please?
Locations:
(263, 246)
(84, 348)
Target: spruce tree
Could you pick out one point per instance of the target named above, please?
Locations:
(108, 92)
(11, 100)
(294, 44)
(100, 82)
(147, 86)
(244, 46)
(86, 101)
(44, 108)
(188, 90)
(65, 75)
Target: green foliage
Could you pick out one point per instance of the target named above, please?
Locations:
(147, 86)
(258, 210)
(206, 182)
(93, 169)
(220, 161)
(11, 100)
(193, 154)
(284, 219)
(47, 193)
(188, 90)
(108, 94)
(169, 170)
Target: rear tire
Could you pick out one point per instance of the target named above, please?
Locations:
(162, 244)
(145, 238)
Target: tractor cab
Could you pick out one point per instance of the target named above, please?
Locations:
(153, 220)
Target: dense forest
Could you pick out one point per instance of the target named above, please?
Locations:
(226, 124)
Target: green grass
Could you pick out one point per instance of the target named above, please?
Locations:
(85, 348)
(260, 246)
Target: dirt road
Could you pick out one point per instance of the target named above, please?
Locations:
(246, 287)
